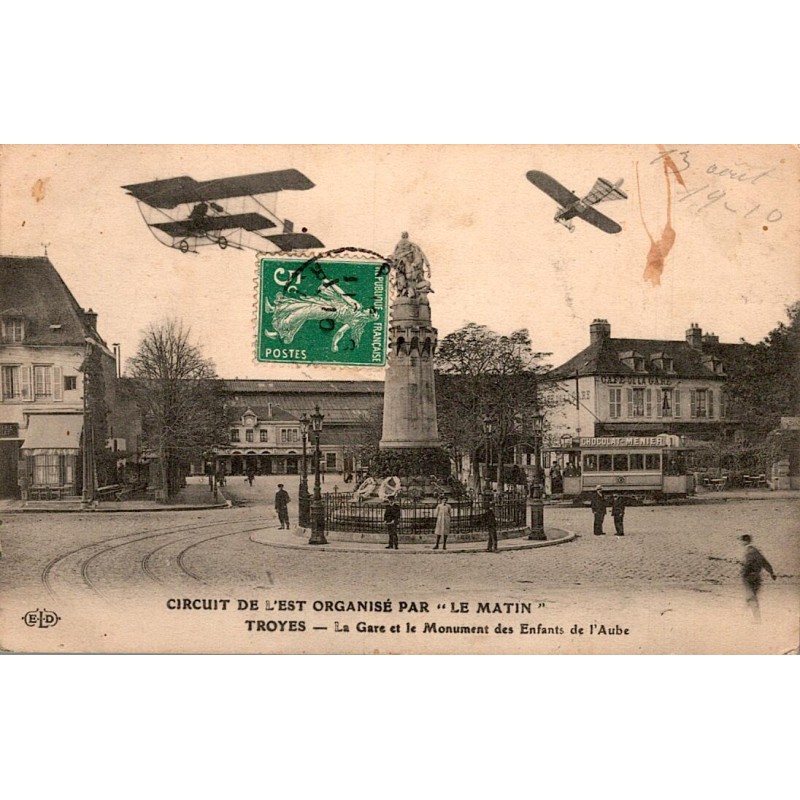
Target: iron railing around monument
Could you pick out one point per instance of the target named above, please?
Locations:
(343, 512)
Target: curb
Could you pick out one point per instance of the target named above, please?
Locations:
(114, 510)
(378, 549)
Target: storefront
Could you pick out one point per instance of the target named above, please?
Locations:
(51, 457)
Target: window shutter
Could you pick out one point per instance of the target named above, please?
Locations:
(722, 405)
(58, 383)
(648, 410)
(676, 402)
(612, 412)
(660, 403)
(27, 383)
(710, 403)
(692, 403)
(630, 402)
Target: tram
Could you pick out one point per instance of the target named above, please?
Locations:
(639, 467)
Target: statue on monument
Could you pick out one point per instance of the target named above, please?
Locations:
(412, 269)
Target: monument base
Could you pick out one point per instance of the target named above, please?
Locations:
(409, 462)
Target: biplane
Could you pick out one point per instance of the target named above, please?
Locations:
(571, 206)
(187, 214)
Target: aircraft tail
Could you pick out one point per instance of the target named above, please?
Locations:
(604, 190)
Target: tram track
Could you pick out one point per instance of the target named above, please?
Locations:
(47, 573)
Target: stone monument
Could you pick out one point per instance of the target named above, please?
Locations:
(409, 400)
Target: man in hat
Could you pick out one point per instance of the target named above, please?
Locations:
(599, 510)
(752, 564)
(618, 512)
(282, 506)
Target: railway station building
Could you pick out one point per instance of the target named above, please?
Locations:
(265, 433)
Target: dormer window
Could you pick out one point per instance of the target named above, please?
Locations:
(713, 364)
(13, 328)
(249, 420)
(633, 360)
(662, 362)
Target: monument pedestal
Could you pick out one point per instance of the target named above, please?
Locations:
(409, 398)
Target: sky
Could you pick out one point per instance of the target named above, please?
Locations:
(496, 255)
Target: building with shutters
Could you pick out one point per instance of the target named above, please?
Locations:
(47, 344)
(627, 387)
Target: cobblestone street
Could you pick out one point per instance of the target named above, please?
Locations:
(673, 579)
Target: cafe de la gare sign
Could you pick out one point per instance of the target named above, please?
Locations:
(637, 380)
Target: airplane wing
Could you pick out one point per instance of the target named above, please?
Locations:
(172, 192)
(226, 222)
(564, 197)
(294, 241)
(603, 191)
(594, 217)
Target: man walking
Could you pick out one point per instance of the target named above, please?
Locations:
(282, 507)
(752, 564)
(618, 512)
(391, 518)
(599, 510)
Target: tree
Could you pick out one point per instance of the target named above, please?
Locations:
(481, 373)
(764, 379)
(180, 400)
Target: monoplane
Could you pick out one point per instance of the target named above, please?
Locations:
(186, 214)
(571, 206)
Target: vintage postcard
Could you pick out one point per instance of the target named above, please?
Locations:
(400, 399)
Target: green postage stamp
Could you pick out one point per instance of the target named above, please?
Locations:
(326, 311)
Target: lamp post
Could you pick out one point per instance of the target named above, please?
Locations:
(536, 504)
(304, 498)
(317, 508)
(487, 433)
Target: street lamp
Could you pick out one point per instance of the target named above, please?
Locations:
(317, 508)
(304, 498)
(488, 426)
(537, 504)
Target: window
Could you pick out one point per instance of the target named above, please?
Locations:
(42, 382)
(53, 470)
(248, 435)
(12, 389)
(702, 401)
(590, 462)
(637, 461)
(289, 435)
(13, 329)
(604, 462)
(666, 402)
(620, 462)
(663, 362)
(652, 461)
(262, 436)
(640, 402)
(330, 460)
(633, 360)
(70, 382)
(615, 403)
(235, 435)
(723, 405)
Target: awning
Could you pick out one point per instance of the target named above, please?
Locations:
(53, 434)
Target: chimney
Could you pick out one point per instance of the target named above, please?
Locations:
(710, 338)
(269, 410)
(694, 336)
(91, 318)
(599, 330)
